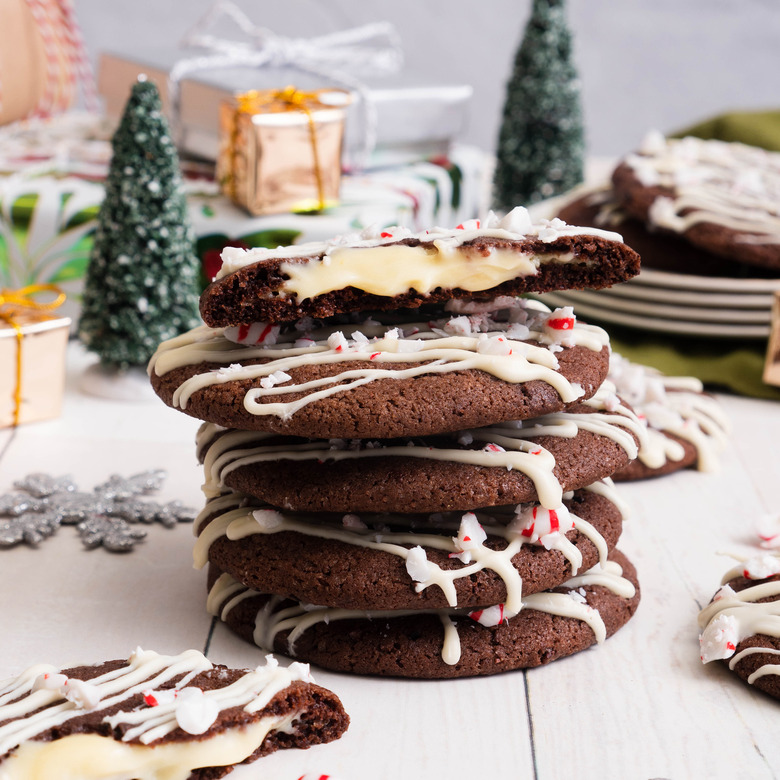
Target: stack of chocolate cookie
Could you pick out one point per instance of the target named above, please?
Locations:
(407, 466)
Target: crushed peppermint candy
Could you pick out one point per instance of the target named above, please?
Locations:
(269, 520)
(83, 694)
(719, 639)
(471, 536)
(276, 378)
(494, 345)
(578, 595)
(538, 524)
(761, 567)
(490, 616)
(417, 564)
(256, 334)
(768, 530)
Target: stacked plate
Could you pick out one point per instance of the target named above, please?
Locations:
(664, 302)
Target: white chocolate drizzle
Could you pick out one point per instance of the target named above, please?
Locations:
(297, 618)
(515, 526)
(480, 342)
(675, 405)
(728, 184)
(31, 708)
(506, 446)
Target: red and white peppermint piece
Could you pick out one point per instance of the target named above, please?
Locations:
(559, 324)
(314, 776)
(490, 616)
(761, 567)
(337, 341)
(719, 639)
(768, 530)
(471, 536)
(257, 334)
(537, 523)
(494, 345)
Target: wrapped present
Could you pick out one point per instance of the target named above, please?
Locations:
(32, 355)
(280, 150)
(411, 121)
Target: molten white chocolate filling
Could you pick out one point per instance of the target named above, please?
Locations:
(92, 757)
(395, 269)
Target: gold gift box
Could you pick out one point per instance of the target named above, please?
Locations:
(38, 373)
(280, 150)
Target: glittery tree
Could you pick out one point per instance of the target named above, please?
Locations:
(540, 146)
(141, 283)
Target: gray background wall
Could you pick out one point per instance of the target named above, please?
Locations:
(643, 63)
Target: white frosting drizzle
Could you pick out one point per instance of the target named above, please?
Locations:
(515, 226)
(245, 521)
(455, 344)
(673, 405)
(271, 620)
(728, 184)
(145, 671)
(733, 616)
(507, 446)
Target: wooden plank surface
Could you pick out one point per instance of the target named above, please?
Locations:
(639, 706)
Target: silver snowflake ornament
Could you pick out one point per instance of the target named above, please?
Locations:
(103, 517)
(110, 532)
(29, 528)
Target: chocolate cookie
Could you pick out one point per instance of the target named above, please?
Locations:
(490, 466)
(659, 250)
(409, 562)
(443, 643)
(478, 260)
(159, 714)
(741, 625)
(686, 427)
(470, 368)
(722, 197)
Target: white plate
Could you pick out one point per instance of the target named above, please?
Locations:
(634, 290)
(663, 311)
(649, 276)
(680, 327)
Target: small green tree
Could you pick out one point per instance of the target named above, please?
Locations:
(141, 285)
(541, 144)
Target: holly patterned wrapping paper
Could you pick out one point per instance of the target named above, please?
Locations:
(50, 192)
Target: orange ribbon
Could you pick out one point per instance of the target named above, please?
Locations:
(289, 99)
(13, 303)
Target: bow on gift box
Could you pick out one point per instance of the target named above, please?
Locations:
(15, 303)
(370, 50)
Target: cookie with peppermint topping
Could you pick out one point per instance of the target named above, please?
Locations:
(444, 643)
(179, 717)
(741, 625)
(488, 466)
(390, 268)
(393, 561)
(389, 374)
(718, 196)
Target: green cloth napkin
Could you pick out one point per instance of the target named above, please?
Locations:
(736, 368)
(720, 364)
(756, 128)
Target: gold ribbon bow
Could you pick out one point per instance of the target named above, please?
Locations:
(290, 99)
(14, 303)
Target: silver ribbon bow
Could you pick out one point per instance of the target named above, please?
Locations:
(370, 50)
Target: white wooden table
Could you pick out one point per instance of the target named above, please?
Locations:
(639, 706)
